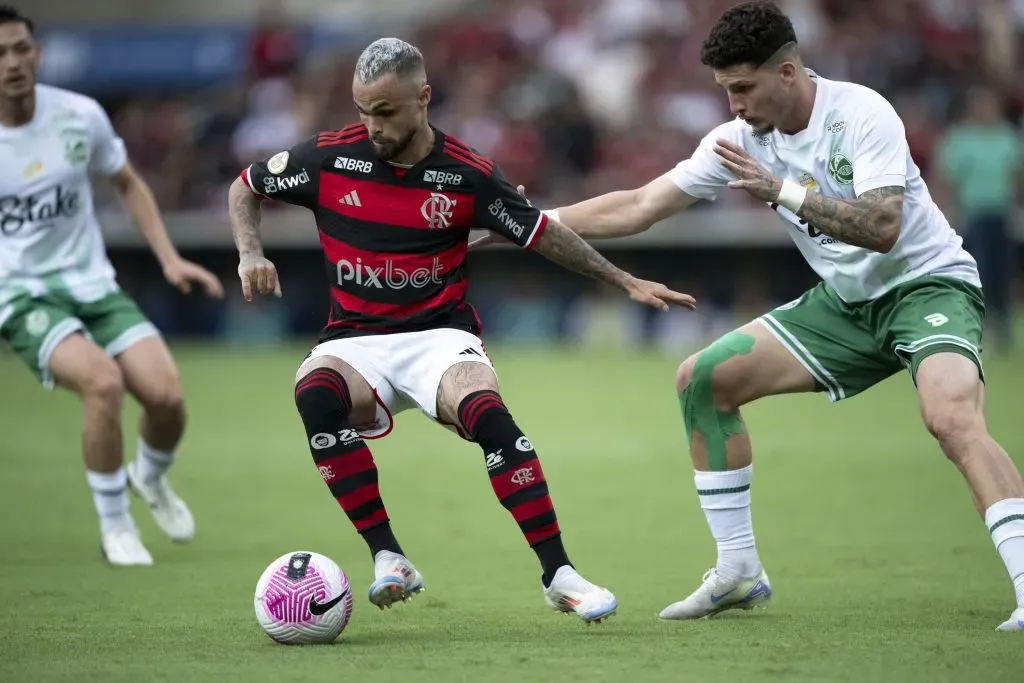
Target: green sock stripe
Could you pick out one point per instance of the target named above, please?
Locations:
(736, 489)
(1005, 520)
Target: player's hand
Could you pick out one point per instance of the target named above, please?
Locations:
(182, 274)
(657, 295)
(258, 274)
(751, 176)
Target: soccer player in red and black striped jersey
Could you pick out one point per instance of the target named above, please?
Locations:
(394, 201)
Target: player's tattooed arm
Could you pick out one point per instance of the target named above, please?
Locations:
(245, 213)
(872, 220)
(563, 246)
(255, 271)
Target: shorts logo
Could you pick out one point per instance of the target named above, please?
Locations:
(277, 163)
(936, 319)
(37, 323)
(840, 168)
(523, 444)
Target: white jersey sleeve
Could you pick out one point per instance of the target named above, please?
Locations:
(108, 151)
(703, 176)
(879, 149)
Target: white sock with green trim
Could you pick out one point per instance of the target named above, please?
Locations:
(1005, 522)
(725, 499)
(110, 496)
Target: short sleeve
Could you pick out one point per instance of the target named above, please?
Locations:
(501, 209)
(703, 176)
(879, 150)
(291, 176)
(108, 154)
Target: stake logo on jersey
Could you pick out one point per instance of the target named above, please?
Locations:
(41, 210)
(395, 240)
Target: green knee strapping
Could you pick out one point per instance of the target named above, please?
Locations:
(697, 400)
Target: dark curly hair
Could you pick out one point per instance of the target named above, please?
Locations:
(749, 33)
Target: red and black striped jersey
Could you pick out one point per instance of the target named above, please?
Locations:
(395, 239)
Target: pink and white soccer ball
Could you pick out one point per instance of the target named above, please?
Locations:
(303, 598)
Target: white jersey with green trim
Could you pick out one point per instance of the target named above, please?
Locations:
(49, 235)
(855, 142)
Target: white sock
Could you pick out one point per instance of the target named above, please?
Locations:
(725, 499)
(152, 463)
(110, 495)
(1005, 522)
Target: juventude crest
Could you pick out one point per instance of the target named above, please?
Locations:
(840, 168)
(76, 146)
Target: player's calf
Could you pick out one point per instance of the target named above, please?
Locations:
(951, 396)
(325, 403)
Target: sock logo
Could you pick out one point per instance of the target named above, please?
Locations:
(522, 476)
(494, 460)
(322, 440)
(325, 440)
(523, 444)
(325, 472)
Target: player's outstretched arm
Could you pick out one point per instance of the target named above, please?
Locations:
(625, 212)
(255, 271)
(563, 246)
(141, 205)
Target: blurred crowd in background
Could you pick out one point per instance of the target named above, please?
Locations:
(571, 97)
(578, 97)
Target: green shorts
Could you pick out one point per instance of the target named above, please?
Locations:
(36, 325)
(851, 347)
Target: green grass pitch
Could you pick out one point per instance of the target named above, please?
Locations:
(881, 569)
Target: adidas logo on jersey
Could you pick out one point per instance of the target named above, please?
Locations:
(352, 199)
(357, 165)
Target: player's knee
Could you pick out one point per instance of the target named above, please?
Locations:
(684, 374)
(168, 401)
(104, 386)
(952, 423)
(323, 395)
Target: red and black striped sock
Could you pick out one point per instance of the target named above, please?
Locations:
(344, 461)
(516, 476)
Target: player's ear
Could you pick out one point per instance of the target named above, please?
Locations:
(787, 71)
(425, 95)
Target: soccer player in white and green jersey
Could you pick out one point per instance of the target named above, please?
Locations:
(61, 309)
(898, 290)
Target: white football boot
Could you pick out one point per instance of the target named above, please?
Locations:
(122, 547)
(570, 592)
(168, 509)
(396, 579)
(1014, 623)
(719, 593)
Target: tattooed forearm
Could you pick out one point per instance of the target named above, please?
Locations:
(560, 244)
(244, 210)
(871, 221)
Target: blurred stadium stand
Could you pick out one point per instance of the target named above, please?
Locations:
(572, 97)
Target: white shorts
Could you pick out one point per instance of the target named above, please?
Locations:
(404, 370)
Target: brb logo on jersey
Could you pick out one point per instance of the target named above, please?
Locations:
(42, 209)
(388, 275)
(438, 211)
